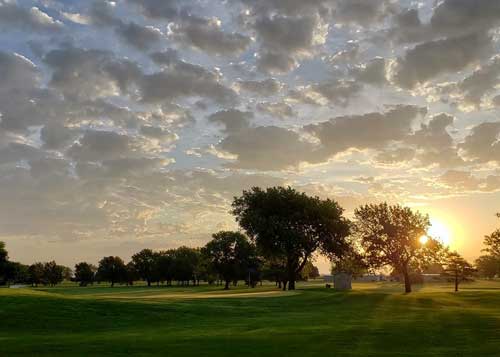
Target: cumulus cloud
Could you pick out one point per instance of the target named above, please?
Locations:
(267, 148)
(233, 120)
(28, 19)
(427, 61)
(483, 145)
(368, 131)
(207, 35)
(266, 87)
(278, 110)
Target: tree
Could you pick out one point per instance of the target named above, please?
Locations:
(145, 264)
(458, 268)
(231, 254)
(131, 274)
(351, 263)
(185, 264)
(164, 266)
(36, 273)
(290, 226)
(488, 266)
(309, 271)
(4, 257)
(111, 269)
(492, 242)
(53, 274)
(85, 273)
(389, 236)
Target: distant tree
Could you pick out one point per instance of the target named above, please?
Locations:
(351, 263)
(389, 236)
(289, 226)
(16, 273)
(111, 269)
(4, 257)
(36, 273)
(145, 265)
(230, 253)
(53, 274)
(309, 271)
(492, 242)
(185, 264)
(457, 268)
(164, 266)
(85, 273)
(488, 266)
(67, 273)
(131, 273)
(274, 270)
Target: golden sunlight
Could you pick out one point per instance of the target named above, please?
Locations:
(423, 240)
(438, 231)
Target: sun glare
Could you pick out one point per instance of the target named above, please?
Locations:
(424, 239)
(439, 231)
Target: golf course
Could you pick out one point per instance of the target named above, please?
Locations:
(374, 319)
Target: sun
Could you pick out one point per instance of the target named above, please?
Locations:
(423, 240)
(439, 231)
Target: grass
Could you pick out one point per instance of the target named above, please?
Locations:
(375, 319)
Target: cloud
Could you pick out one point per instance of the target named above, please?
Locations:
(278, 110)
(362, 12)
(207, 35)
(233, 120)
(264, 88)
(482, 144)
(140, 37)
(368, 131)
(100, 145)
(17, 72)
(267, 148)
(427, 61)
(372, 72)
(32, 19)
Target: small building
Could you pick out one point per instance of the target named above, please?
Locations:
(341, 281)
(369, 278)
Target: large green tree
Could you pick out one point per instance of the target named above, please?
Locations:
(36, 273)
(488, 266)
(145, 265)
(291, 227)
(53, 274)
(111, 269)
(390, 236)
(231, 254)
(85, 273)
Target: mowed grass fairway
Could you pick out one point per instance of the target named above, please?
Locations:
(375, 319)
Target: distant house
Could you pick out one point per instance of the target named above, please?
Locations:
(367, 278)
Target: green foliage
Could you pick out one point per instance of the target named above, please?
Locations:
(492, 242)
(185, 264)
(52, 273)
(145, 265)
(389, 236)
(231, 255)
(457, 268)
(111, 269)
(85, 273)
(36, 273)
(309, 271)
(290, 226)
(488, 266)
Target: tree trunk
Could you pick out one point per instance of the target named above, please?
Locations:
(284, 285)
(456, 281)
(149, 282)
(226, 287)
(407, 281)
(291, 280)
(112, 283)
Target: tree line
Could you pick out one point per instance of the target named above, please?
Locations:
(282, 231)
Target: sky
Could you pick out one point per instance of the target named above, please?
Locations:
(132, 124)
